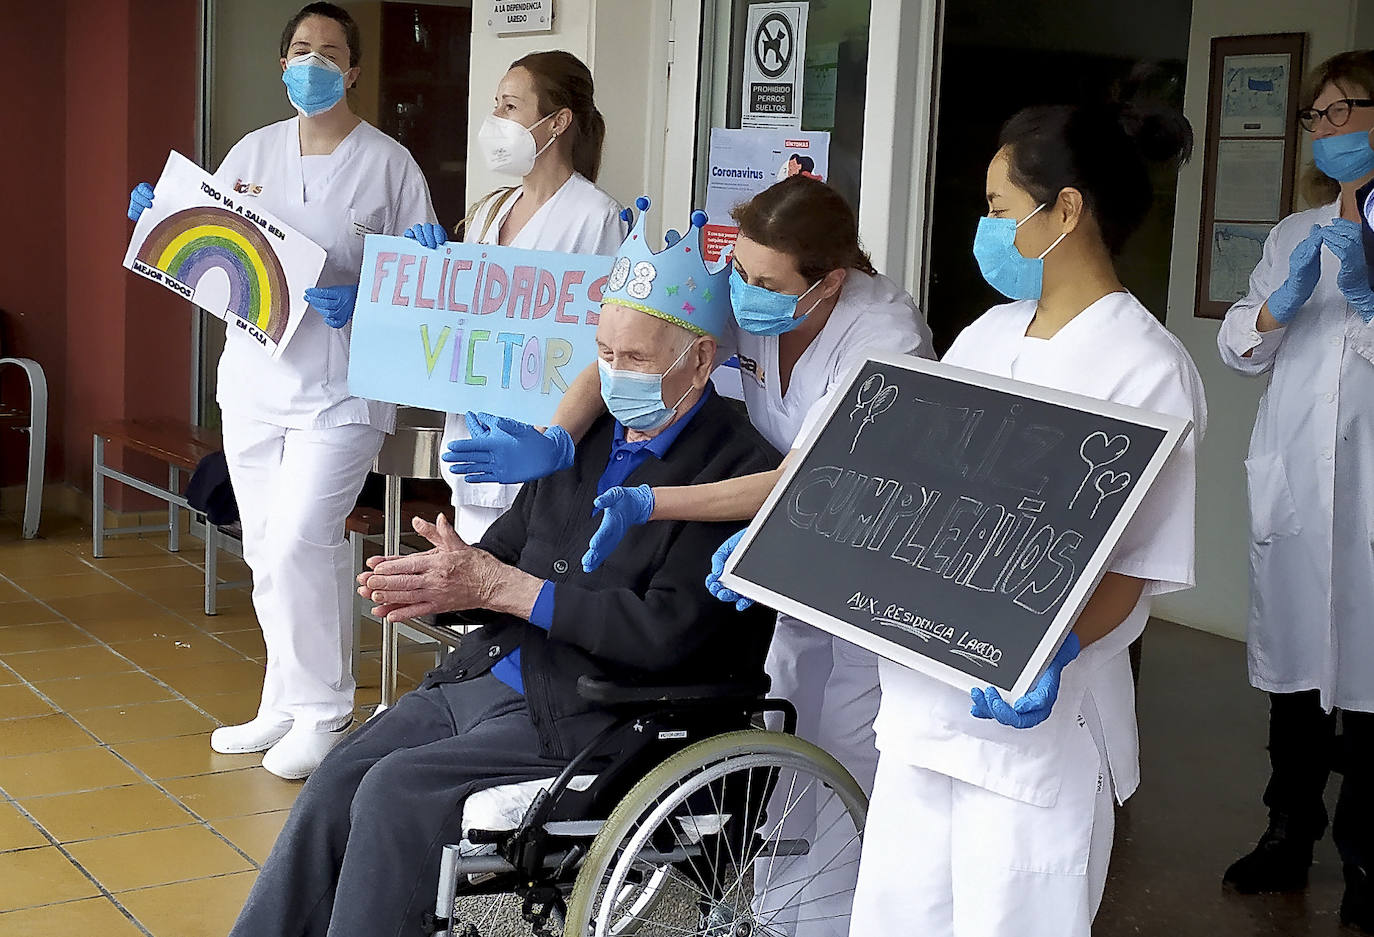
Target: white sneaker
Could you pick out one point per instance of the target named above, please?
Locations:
(256, 736)
(301, 750)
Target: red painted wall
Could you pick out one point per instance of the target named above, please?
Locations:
(131, 96)
(33, 273)
(101, 90)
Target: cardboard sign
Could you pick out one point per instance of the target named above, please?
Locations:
(473, 326)
(234, 260)
(952, 521)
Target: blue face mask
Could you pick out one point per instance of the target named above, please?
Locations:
(1009, 272)
(1345, 158)
(313, 83)
(636, 399)
(761, 311)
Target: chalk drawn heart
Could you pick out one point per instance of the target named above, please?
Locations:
(1109, 483)
(1098, 450)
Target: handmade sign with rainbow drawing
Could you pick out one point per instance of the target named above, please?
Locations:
(230, 257)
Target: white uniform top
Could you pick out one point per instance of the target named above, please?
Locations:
(1311, 461)
(1114, 350)
(578, 219)
(368, 185)
(872, 314)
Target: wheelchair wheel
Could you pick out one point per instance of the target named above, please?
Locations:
(746, 834)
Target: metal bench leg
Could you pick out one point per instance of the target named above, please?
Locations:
(387, 696)
(98, 499)
(38, 448)
(211, 568)
(173, 513)
(355, 542)
(392, 547)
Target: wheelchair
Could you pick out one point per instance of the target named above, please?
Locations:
(684, 817)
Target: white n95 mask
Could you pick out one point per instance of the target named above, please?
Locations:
(508, 146)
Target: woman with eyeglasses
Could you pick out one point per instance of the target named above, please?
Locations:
(1306, 322)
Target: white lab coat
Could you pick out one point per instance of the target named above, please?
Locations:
(578, 219)
(832, 683)
(1311, 460)
(298, 445)
(1028, 852)
(369, 185)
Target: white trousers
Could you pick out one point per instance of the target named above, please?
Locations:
(943, 858)
(295, 488)
(834, 686)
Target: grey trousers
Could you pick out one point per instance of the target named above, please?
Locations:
(359, 855)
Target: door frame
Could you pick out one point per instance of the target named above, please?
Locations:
(899, 122)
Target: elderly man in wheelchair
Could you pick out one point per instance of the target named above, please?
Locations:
(608, 712)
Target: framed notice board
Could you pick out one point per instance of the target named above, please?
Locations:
(1251, 160)
(949, 520)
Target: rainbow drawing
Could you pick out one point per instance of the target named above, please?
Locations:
(188, 243)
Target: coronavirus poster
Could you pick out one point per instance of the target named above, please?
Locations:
(745, 162)
(229, 257)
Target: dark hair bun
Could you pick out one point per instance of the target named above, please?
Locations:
(1161, 133)
(1159, 130)
(1102, 150)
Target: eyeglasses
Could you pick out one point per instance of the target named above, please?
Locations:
(1337, 113)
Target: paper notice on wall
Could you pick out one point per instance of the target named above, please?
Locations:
(774, 56)
(745, 162)
(822, 76)
(1236, 250)
(1249, 180)
(1254, 95)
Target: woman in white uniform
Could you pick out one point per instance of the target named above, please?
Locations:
(1306, 323)
(998, 820)
(298, 445)
(808, 306)
(546, 131)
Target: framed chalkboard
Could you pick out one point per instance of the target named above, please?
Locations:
(949, 520)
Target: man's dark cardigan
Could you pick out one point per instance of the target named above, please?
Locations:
(644, 616)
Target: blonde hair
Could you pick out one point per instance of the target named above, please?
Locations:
(1348, 71)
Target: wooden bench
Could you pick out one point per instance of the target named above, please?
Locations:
(181, 446)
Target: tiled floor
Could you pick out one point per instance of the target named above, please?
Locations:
(116, 818)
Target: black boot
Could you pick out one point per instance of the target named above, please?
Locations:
(1357, 904)
(1278, 863)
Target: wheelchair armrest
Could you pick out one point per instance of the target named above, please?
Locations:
(607, 693)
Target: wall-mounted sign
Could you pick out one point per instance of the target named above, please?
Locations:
(519, 16)
(774, 59)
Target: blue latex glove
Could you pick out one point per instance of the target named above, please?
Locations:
(713, 585)
(621, 509)
(1345, 239)
(1304, 270)
(1033, 708)
(139, 199)
(335, 303)
(508, 451)
(430, 235)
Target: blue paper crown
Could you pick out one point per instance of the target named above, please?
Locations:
(674, 283)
